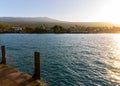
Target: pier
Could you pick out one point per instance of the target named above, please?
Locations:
(12, 77)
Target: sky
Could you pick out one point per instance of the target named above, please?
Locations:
(65, 10)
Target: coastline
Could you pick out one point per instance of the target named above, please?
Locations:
(58, 33)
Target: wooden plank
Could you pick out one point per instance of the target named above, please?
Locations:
(12, 77)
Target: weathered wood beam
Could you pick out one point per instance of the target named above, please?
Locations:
(3, 55)
(37, 66)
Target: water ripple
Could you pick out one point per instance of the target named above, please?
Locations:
(67, 59)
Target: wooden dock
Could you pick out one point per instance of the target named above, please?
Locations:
(13, 77)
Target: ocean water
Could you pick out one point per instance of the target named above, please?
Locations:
(67, 59)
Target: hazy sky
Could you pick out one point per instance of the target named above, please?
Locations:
(68, 10)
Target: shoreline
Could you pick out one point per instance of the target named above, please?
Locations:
(59, 33)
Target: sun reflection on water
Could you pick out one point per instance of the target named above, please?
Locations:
(114, 76)
(114, 72)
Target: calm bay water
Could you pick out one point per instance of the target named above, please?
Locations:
(67, 59)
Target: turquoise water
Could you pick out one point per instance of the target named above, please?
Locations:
(67, 59)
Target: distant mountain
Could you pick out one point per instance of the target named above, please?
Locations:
(46, 20)
(27, 19)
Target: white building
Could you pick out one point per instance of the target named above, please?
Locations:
(17, 29)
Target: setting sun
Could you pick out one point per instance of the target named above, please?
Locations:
(109, 12)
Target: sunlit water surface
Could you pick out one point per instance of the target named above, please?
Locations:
(67, 59)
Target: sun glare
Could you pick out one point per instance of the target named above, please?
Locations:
(116, 39)
(110, 12)
(113, 73)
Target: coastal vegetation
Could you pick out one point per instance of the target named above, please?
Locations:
(42, 28)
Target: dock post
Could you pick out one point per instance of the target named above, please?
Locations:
(37, 66)
(3, 55)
